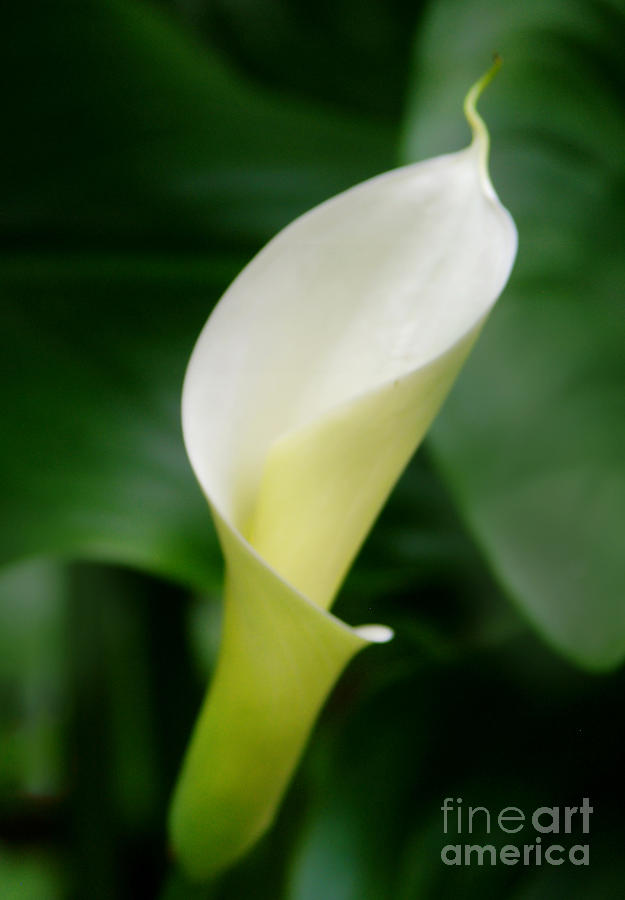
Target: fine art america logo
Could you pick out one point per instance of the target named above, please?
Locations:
(539, 835)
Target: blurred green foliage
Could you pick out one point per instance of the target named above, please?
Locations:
(533, 441)
(149, 150)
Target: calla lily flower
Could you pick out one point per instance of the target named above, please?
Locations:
(309, 389)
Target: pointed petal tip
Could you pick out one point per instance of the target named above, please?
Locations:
(375, 634)
(475, 92)
(481, 137)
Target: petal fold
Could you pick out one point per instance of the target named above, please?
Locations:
(309, 389)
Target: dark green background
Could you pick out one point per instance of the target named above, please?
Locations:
(148, 150)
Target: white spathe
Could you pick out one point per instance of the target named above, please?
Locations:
(310, 387)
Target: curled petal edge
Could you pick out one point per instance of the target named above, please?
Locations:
(290, 534)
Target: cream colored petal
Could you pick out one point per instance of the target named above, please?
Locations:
(376, 282)
(310, 387)
(279, 658)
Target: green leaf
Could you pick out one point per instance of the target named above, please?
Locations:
(32, 679)
(24, 875)
(352, 835)
(532, 441)
(92, 455)
(317, 50)
(127, 135)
